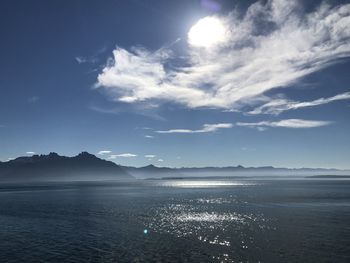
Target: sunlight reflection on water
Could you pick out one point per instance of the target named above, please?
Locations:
(217, 222)
(203, 183)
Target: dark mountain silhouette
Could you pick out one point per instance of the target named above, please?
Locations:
(53, 167)
(87, 167)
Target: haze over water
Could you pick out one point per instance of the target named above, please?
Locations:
(302, 220)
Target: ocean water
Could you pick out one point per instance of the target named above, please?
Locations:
(305, 220)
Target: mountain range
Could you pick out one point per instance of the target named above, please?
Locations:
(53, 167)
(88, 167)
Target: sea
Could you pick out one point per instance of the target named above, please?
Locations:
(194, 220)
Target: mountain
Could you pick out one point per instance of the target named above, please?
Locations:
(53, 167)
(87, 167)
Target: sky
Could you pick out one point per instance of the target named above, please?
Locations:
(177, 83)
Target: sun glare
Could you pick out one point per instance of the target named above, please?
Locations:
(207, 32)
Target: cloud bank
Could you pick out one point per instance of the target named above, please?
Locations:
(272, 45)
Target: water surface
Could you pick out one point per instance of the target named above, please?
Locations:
(177, 221)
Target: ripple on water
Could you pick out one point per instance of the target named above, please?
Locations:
(208, 217)
(220, 200)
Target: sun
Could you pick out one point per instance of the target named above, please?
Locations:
(207, 32)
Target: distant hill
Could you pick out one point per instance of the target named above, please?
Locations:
(53, 167)
(331, 176)
(152, 171)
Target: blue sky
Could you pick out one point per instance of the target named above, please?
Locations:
(177, 83)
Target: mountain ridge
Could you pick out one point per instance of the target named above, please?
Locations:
(86, 166)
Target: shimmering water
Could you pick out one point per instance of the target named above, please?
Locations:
(177, 221)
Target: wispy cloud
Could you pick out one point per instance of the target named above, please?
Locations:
(80, 60)
(30, 153)
(262, 125)
(278, 106)
(105, 110)
(123, 155)
(288, 123)
(143, 109)
(274, 44)
(205, 128)
(248, 149)
(91, 59)
(33, 99)
(150, 156)
(160, 160)
(149, 136)
(104, 152)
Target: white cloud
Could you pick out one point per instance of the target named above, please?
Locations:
(272, 45)
(262, 125)
(150, 156)
(205, 128)
(31, 153)
(160, 160)
(104, 152)
(149, 136)
(124, 155)
(278, 106)
(288, 123)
